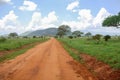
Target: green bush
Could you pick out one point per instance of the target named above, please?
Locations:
(2, 39)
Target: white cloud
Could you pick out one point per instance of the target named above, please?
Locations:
(10, 18)
(85, 15)
(50, 18)
(39, 22)
(9, 23)
(35, 22)
(28, 5)
(84, 20)
(72, 5)
(102, 14)
(87, 23)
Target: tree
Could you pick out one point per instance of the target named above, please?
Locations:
(14, 34)
(97, 37)
(113, 21)
(34, 37)
(107, 37)
(88, 34)
(63, 30)
(70, 37)
(77, 33)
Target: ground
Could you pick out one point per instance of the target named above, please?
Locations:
(46, 61)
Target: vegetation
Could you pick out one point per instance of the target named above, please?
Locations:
(14, 34)
(13, 55)
(63, 29)
(88, 34)
(2, 39)
(107, 37)
(107, 52)
(70, 37)
(14, 43)
(77, 33)
(17, 43)
(97, 37)
(75, 56)
(112, 21)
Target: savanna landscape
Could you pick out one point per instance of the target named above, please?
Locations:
(87, 49)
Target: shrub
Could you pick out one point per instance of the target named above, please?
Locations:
(107, 37)
(70, 37)
(2, 39)
(25, 36)
(34, 37)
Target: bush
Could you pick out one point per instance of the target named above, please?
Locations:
(2, 39)
(34, 37)
(70, 37)
(25, 36)
(107, 37)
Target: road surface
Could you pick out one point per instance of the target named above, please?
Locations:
(46, 61)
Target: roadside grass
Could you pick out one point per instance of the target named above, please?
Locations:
(108, 52)
(21, 51)
(13, 55)
(75, 56)
(14, 43)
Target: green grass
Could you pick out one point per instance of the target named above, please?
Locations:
(12, 55)
(75, 56)
(11, 44)
(17, 43)
(108, 52)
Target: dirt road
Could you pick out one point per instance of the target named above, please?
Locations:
(46, 61)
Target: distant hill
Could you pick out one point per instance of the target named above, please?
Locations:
(45, 32)
(26, 33)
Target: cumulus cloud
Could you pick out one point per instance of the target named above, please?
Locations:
(10, 18)
(72, 6)
(28, 5)
(85, 15)
(50, 18)
(84, 20)
(9, 22)
(87, 23)
(35, 22)
(102, 14)
(39, 22)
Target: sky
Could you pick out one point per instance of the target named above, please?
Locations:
(83, 15)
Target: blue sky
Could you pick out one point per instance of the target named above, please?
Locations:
(84, 15)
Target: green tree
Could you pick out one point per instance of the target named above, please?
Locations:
(97, 37)
(107, 37)
(63, 30)
(88, 34)
(112, 21)
(77, 33)
(14, 34)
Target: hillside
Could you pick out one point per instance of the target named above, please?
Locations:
(45, 32)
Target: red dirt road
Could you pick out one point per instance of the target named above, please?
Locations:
(46, 61)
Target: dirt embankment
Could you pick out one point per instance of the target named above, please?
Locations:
(46, 61)
(101, 70)
(98, 68)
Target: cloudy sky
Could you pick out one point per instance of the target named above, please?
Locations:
(84, 15)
